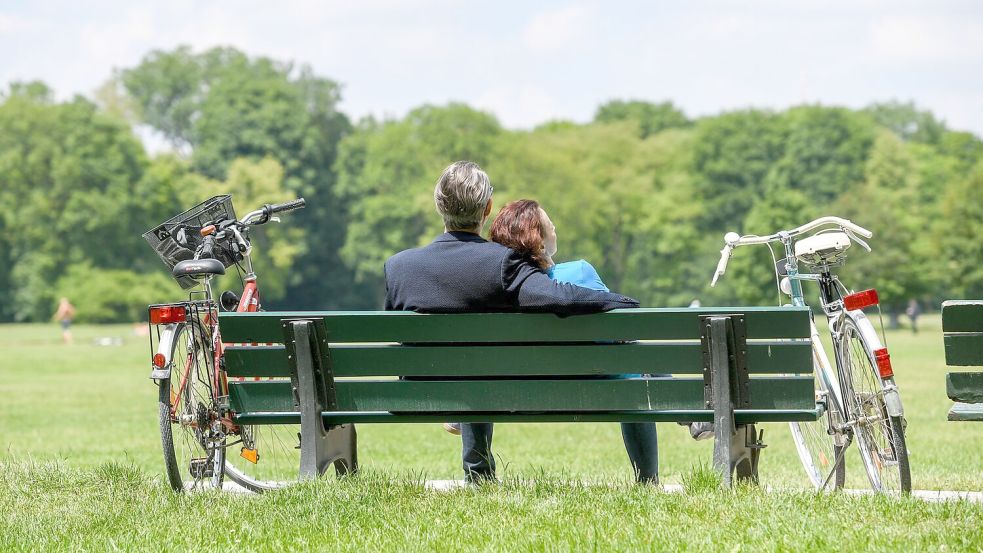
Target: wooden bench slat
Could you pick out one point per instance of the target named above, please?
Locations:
(742, 416)
(966, 412)
(618, 325)
(966, 387)
(964, 349)
(588, 359)
(962, 316)
(792, 392)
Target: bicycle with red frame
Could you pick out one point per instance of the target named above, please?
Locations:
(197, 425)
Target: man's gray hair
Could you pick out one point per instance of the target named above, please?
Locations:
(462, 193)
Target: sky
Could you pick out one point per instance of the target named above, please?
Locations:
(531, 62)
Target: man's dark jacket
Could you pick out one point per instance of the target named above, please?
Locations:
(461, 272)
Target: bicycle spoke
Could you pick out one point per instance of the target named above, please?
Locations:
(189, 445)
(815, 441)
(880, 436)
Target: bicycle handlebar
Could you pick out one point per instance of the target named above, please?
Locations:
(207, 247)
(828, 220)
(730, 239)
(286, 206)
(263, 214)
(722, 264)
(733, 240)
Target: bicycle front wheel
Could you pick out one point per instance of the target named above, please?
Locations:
(880, 435)
(193, 443)
(264, 457)
(816, 441)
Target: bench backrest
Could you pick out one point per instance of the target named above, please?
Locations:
(962, 326)
(516, 362)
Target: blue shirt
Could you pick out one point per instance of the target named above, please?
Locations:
(579, 273)
(583, 274)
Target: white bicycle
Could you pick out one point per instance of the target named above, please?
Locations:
(858, 398)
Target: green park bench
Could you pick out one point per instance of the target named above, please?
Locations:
(962, 325)
(329, 370)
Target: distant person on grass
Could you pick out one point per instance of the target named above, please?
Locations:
(913, 311)
(64, 315)
(460, 272)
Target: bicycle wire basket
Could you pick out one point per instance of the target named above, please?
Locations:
(177, 238)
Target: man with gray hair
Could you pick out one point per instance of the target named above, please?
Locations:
(463, 196)
(461, 272)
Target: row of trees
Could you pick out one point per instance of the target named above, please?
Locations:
(643, 191)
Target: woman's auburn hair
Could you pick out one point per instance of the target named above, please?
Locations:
(519, 226)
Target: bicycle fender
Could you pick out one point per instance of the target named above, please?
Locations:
(167, 336)
(892, 400)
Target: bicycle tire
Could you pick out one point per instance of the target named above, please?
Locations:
(815, 441)
(882, 445)
(285, 468)
(189, 346)
(278, 463)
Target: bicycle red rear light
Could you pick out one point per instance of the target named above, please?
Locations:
(883, 363)
(159, 360)
(166, 314)
(859, 300)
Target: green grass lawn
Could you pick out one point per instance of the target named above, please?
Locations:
(82, 467)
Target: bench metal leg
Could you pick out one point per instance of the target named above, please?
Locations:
(319, 446)
(346, 445)
(745, 450)
(735, 447)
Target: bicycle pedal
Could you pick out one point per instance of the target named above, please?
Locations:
(201, 468)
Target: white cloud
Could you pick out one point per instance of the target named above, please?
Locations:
(529, 64)
(905, 39)
(553, 30)
(519, 106)
(10, 24)
(958, 109)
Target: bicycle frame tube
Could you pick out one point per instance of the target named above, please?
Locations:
(249, 303)
(826, 372)
(827, 291)
(792, 271)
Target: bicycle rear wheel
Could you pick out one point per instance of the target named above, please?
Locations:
(193, 446)
(815, 441)
(880, 435)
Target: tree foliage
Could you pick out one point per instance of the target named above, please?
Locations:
(650, 118)
(959, 247)
(66, 172)
(642, 192)
(224, 105)
(386, 176)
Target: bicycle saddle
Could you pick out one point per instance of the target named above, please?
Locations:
(198, 267)
(825, 248)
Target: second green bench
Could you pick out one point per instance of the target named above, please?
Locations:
(962, 325)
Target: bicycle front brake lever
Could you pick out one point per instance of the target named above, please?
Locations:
(856, 239)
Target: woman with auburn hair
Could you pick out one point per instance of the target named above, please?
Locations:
(525, 227)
